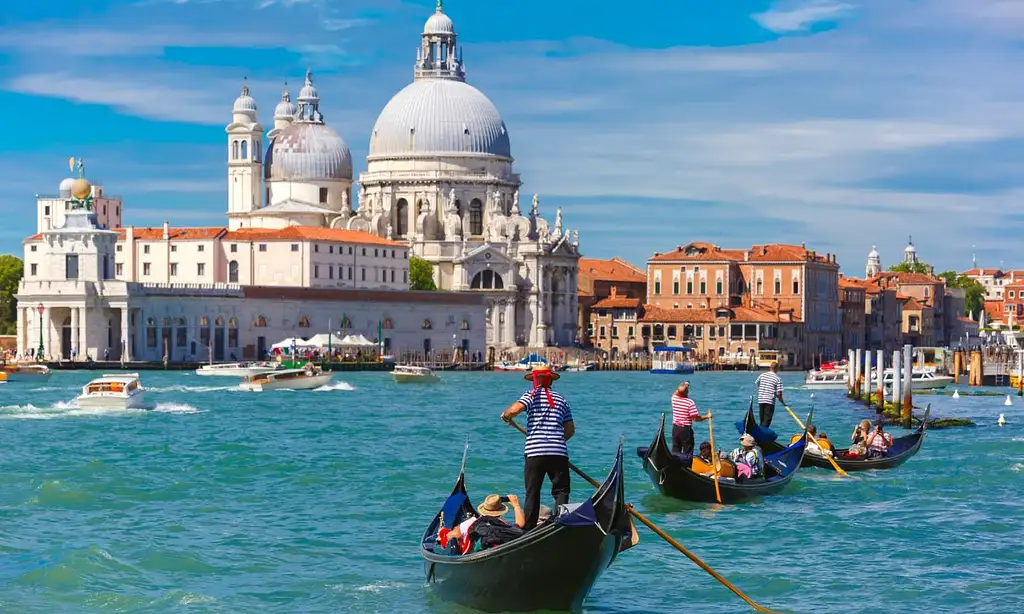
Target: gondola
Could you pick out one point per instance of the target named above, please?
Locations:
(552, 567)
(672, 475)
(901, 450)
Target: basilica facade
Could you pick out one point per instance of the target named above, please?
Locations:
(439, 184)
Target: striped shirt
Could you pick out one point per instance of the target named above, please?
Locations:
(684, 410)
(545, 424)
(769, 385)
(879, 442)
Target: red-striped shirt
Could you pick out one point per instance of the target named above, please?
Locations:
(684, 410)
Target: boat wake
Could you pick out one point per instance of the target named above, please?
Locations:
(180, 388)
(176, 408)
(1018, 467)
(70, 409)
(333, 386)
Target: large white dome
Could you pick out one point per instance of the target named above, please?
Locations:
(308, 151)
(439, 116)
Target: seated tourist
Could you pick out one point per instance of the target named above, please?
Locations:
(812, 447)
(878, 442)
(825, 444)
(748, 458)
(858, 440)
(488, 528)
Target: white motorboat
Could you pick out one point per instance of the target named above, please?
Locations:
(237, 369)
(113, 390)
(25, 372)
(306, 378)
(921, 378)
(409, 374)
(827, 379)
(528, 363)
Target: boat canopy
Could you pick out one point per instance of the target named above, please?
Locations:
(672, 348)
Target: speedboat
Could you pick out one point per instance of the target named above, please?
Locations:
(921, 378)
(25, 372)
(409, 374)
(237, 369)
(831, 376)
(306, 378)
(669, 359)
(114, 390)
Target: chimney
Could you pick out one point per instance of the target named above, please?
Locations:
(803, 245)
(614, 291)
(746, 256)
(764, 250)
(167, 231)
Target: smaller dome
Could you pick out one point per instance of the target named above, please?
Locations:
(286, 108)
(910, 249)
(66, 185)
(245, 103)
(874, 252)
(308, 91)
(439, 23)
(80, 188)
(308, 151)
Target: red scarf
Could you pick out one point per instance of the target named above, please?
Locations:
(547, 390)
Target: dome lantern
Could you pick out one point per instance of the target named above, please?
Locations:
(285, 109)
(245, 104)
(439, 56)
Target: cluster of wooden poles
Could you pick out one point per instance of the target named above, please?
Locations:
(863, 380)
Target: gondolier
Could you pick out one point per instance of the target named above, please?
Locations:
(769, 389)
(549, 426)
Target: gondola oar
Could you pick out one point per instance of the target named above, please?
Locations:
(665, 536)
(714, 459)
(812, 438)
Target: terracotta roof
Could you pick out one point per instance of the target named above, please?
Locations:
(897, 277)
(175, 234)
(753, 314)
(994, 310)
(615, 269)
(700, 252)
(853, 282)
(779, 252)
(617, 302)
(653, 313)
(1016, 285)
(978, 272)
(912, 304)
(35, 237)
(966, 320)
(311, 233)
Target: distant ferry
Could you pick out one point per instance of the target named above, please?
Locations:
(672, 359)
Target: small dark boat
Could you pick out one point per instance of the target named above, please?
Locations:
(901, 450)
(673, 477)
(552, 567)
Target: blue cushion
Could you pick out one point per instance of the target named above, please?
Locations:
(451, 509)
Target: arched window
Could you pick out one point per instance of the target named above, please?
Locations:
(256, 149)
(204, 321)
(303, 322)
(426, 324)
(232, 332)
(760, 286)
(150, 333)
(487, 280)
(245, 150)
(233, 272)
(233, 322)
(261, 322)
(671, 332)
(387, 324)
(402, 218)
(346, 323)
(464, 325)
(219, 322)
(234, 150)
(476, 217)
(659, 331)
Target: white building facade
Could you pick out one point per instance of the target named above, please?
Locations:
(439, 184)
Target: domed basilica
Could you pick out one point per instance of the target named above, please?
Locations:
(439, 178)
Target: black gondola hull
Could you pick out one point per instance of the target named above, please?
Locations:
(673, 477)
(555, 573)
(552, 567)
(905, 448)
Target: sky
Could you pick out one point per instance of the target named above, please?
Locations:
(841, 124)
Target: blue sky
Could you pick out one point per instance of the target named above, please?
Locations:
(839, 123)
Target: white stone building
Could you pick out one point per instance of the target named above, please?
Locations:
(439, 184)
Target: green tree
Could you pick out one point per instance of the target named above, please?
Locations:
(974, 291)
(421, 274)
(907, 267)
(12, 269)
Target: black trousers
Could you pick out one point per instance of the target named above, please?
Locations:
(682, 439)
(767, 413)
(556, 468)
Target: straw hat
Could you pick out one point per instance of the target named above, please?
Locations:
(492, 506)
(542, 370)
(746, 439)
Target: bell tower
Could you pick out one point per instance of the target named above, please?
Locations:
(244, 160)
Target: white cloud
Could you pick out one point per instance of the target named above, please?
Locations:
(797, 16)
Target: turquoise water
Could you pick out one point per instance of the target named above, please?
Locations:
(219, 500)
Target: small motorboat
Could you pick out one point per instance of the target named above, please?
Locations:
(25, 372)
(831, 376)
(672, 360)
(237, 369)
(113, 390)
(307, 378)
(409, 374)
(921, 378)
(528, 363)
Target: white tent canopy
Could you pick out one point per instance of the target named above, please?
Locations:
(291, 342)
(356, 341)
(323, 340)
